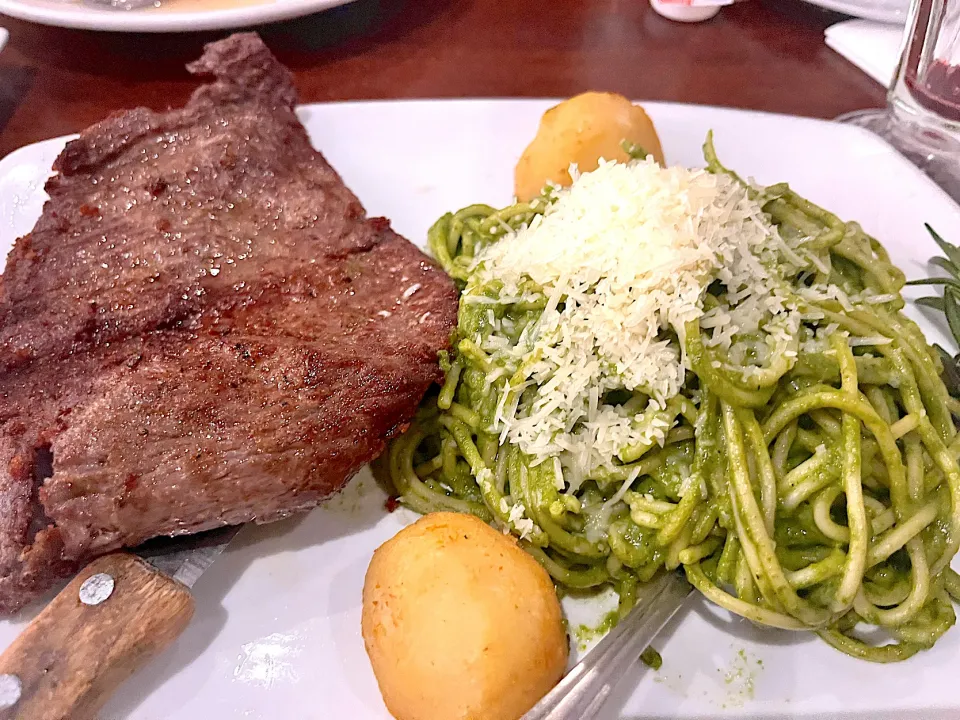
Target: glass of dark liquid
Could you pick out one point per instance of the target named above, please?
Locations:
(922, 117)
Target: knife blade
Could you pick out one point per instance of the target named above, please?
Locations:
(117, 613)
(186, 558)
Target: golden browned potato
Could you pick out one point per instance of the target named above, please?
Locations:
(460, 623)
(582, 130)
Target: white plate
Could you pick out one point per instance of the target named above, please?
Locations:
(885, 11)
(277, 627)
(193, 15)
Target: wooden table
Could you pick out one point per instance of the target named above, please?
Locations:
(765, 55)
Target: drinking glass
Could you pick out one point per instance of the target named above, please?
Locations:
(922, 117)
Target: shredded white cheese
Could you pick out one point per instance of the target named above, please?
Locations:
(622, 261)
(520, 522)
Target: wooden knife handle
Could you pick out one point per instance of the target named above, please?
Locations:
(91, 638)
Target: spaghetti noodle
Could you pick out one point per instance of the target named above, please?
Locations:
(811, 489)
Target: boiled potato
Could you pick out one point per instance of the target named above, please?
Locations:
(460, 623)
(582, 130)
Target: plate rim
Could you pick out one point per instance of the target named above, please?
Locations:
(77, 18)
(301, 107)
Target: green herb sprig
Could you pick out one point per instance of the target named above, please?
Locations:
(948, 304)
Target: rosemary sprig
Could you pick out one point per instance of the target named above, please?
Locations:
(948, 304)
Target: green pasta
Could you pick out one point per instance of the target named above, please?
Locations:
(816, 495)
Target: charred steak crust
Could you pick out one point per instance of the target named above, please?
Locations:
(202, 329)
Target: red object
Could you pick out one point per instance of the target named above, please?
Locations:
(392, 503)
(939, 91)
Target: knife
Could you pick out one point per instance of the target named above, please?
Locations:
(120, 611)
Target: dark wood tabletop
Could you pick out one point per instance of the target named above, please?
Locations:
(760, 54)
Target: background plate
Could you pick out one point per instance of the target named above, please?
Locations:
(219, 15)
(885, 11)
(277, 628)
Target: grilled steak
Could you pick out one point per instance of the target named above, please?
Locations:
(202, 329)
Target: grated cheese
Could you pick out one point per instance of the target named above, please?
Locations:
(623, 259)
(520, 522)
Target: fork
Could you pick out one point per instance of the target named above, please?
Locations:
(583, 691)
